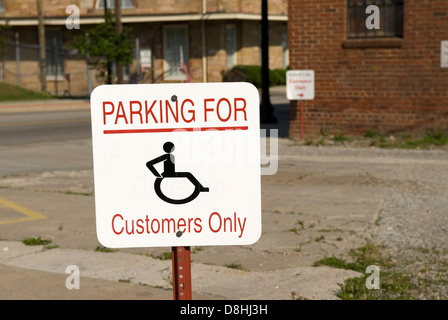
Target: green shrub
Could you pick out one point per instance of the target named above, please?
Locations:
(252, 74)
(277, 77)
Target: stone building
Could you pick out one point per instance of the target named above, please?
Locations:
(390, 79)
(210, 35)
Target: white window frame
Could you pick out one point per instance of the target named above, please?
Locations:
(111, 4)
(179, 76)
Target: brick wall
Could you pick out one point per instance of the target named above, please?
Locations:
(389, 85)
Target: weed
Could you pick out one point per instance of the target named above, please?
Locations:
(68, 192)
(394, 284)
(293, 230)
(36, 241)
(438, 138)
(370, 134)
(104, 249)
(236, 266)
(124, 280)
(51, 247)
(340, 138)
(167, 255)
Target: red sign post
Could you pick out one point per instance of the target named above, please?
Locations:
(181, 273)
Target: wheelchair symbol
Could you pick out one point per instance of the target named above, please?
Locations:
(169, 171)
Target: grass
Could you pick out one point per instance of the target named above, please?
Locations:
(429, 140)
(10, 92)
(407, 141)
(395, 284)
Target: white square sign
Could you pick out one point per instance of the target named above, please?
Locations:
(300, 85)
(176, 164)
(145, 58)
(444, 54)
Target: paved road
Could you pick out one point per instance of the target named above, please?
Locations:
(56, 135)
(44, 136)
(38, 127)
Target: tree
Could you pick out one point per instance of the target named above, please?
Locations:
(105, 47)
(3, 29)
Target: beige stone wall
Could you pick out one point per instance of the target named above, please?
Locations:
(150, 36)
(249, 53)
(56, 8)
(216, 55)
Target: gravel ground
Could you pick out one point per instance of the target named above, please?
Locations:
(412, 221)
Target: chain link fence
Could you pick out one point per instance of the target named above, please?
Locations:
(67, 73)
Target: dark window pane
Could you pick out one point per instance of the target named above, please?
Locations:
(391, 18)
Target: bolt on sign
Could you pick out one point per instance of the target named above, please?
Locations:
(176, 164)
(300, 85)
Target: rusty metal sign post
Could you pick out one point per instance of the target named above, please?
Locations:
(181, 273)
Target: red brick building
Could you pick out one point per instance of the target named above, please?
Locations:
(214, 35)
(388, 79)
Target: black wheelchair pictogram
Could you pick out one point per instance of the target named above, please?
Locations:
(169, 171)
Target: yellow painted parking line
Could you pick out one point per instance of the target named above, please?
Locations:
(30, 214)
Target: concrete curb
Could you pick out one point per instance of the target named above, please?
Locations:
(207, 280)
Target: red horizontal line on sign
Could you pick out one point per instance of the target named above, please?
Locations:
(173, 129)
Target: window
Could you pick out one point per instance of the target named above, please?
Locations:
(2, 6)
(125, 4)
(55, 53)
(231, 45)
(391, 19)
(175, 47)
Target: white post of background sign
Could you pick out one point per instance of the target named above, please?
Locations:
(300, 86)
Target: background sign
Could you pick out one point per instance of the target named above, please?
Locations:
(300, 85)
(176, 164)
